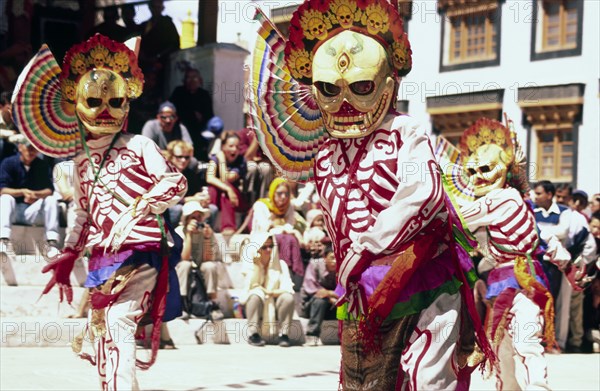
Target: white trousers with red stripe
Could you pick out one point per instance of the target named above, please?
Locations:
(429, 360)
(521, 361)
(115, 352)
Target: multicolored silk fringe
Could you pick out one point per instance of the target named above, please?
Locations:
(539, 294)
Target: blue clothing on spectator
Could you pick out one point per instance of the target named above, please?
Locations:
(14, 175)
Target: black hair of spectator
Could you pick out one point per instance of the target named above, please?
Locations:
(596, 215)
(564, 186)
(581, 199)
(226, 135)
(547, 186)
(5, 97)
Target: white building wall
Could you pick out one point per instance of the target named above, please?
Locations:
(514, 71)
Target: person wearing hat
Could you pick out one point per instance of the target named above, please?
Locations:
(200, 249)
(26, 197)
(166, 127)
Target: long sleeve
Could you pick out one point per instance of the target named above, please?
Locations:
(78, 234)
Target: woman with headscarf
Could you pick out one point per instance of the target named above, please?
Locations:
(276, 215)
(268, 294)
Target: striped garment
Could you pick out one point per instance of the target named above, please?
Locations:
(509, 221)
(134, 168)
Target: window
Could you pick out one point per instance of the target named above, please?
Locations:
(557, 29)
(472, 38)
(470, 34)
(559, 25)
(555, 155)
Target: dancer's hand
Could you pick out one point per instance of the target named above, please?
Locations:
(62, 266)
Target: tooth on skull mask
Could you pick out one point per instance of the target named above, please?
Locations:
(353, 84)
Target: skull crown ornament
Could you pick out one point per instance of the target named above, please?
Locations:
(99, 77)
(353, 55)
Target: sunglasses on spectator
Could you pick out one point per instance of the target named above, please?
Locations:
(267, 246)
(182, 157)
(165, 117)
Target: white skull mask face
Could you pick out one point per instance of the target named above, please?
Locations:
(353, 84)
(102, 103)
(487, 168)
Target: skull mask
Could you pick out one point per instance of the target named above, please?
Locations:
(353, 84)
(487, 168)
(102, 103)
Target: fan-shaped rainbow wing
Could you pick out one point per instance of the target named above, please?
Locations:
(284, 115)
(457, 181)
(39, 111)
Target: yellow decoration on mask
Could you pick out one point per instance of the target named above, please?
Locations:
(376, 19)
(315, 25)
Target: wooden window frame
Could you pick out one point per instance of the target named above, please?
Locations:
(489, 32)
(539, 48)
(492, 13)
(562, 26)
(557, 155)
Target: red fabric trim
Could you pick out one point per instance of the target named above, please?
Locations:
(158, 311)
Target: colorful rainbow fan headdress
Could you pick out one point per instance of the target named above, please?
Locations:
(43, 99)
(316, 21)
(100, 52)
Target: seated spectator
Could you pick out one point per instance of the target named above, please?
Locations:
(194, 105)
(260, 171)
(181, 155)
(211, 137)
(268, 292)
(276, 215)
(26, 197)
(315, 219)
(318, 289)
(200, 249)
(166, 127)
(224, 175)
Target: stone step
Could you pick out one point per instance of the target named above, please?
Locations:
(27, 301)
(26, 270)
(59, 332)
(26, 267)
(27, 240)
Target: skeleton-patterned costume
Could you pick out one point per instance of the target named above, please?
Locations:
(402, 277)
(122, 185)
(505, 228)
